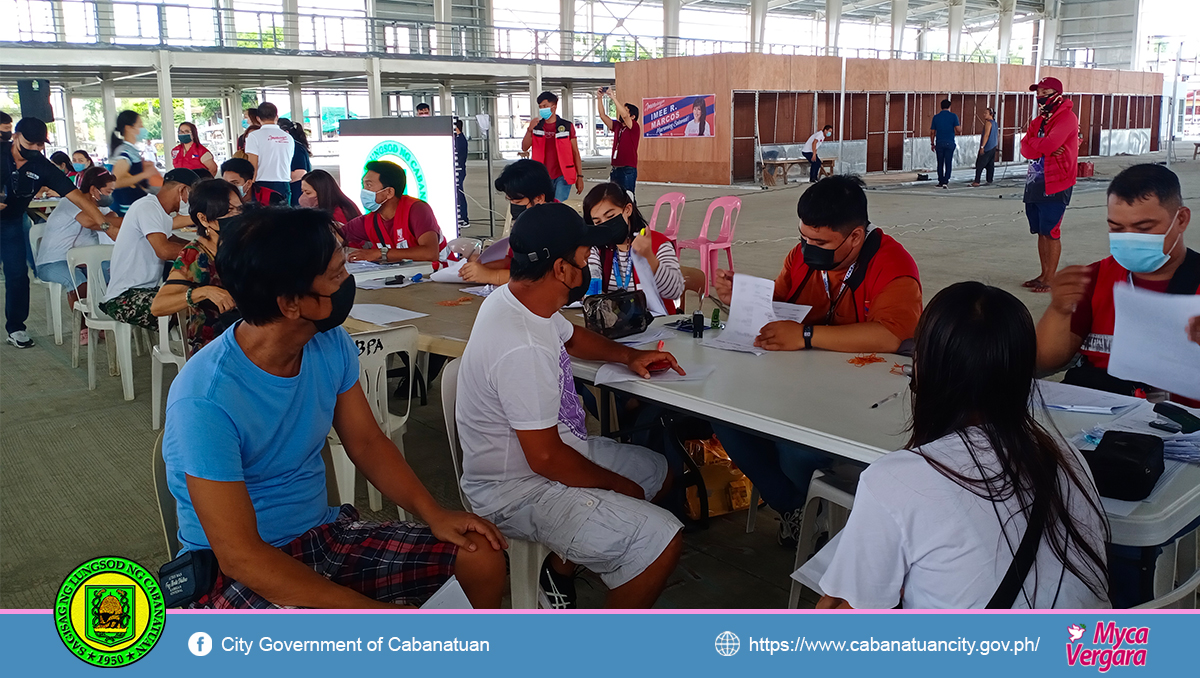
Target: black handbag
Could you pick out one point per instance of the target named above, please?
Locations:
(617, 314)
(1126, 465)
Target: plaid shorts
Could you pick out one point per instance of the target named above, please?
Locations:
(133, 307)
(400, 563)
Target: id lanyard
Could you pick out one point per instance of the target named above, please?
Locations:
(623, 283)
(833, 303)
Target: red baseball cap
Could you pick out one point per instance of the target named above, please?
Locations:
(1048, 83)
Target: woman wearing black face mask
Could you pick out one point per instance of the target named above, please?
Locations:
(194, 283)
(609, 207)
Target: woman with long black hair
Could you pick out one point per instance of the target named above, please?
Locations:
(937, 525)
(301, 163)
(133, 175)
(319, 190)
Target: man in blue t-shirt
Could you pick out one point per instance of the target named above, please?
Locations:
(941, 138)
(247, 419)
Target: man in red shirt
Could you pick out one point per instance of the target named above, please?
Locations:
(626, 135)
(551, 141)
(396, 226)
(1146, 222)
(1051, 141)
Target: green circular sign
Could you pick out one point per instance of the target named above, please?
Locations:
(109, 612)
(396, 152)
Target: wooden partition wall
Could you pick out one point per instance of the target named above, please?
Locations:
(887, 102)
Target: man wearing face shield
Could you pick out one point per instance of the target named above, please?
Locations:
(194, 282)
(24, 172)
(1146, 223)
(528, 463)
(865, 294)
(1051, 141)
(144, 243)
(247, 419)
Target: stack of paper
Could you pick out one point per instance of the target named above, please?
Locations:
(381, 314)
(1060, 396)
(613, 373)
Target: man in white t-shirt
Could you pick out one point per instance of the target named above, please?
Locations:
(270, 150)
(144, 243)
(810, 152)
(528, 465)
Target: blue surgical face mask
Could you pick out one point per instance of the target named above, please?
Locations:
(143, 134)
(78, 166)
(545, 113)
(245, 123)
(1140, 252)
(368, 200)
(828, 133)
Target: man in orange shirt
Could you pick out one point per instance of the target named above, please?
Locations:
(865, 294)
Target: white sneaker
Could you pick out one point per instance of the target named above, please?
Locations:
(20, 339)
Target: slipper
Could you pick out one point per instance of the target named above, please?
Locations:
(1040, 288)
(975, 184)
(1032, 283)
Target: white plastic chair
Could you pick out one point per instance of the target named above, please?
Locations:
(160, 355)
(166, 501)
(838, 495)
(525, 557)
(374, 348)
(93, 257)
(54, 303)
(1177, 575)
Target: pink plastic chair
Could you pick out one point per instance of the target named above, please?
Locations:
(709, 248)
(676, 202)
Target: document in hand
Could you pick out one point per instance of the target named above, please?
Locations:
(751, 307)
(495, 252)
(1150, 342)
(449, 273)
(649, 287)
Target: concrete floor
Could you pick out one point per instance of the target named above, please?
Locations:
(75, 479)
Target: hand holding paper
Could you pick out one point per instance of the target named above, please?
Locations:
(1151, 340)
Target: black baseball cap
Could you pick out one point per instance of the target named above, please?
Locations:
(551, 231)
(31, 130)
(182, 175)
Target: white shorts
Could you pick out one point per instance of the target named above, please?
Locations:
(613, 535)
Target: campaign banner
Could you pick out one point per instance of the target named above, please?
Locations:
(138, 640)
(686, 116)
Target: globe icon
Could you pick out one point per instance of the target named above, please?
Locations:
(728, 644)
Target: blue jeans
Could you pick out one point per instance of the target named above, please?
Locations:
(625, 177)
(781, 471)
(13, 252)
(945, 162)
(814, 166)
(562, 190)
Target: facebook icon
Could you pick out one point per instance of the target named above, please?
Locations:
(200, 643)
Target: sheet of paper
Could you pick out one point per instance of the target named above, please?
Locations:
(652, 334)
(1060, 396)
(750, 309)
(382, 314)
(356, 267)
(810, 573)
(1150, 342)
(374, 284)
(785, 311)
(449, 597)
(612, 373)
(495, 252)
(648, 285)
(480, 291)
(717, 342)
(448, 273)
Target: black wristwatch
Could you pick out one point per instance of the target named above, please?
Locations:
(808, 330)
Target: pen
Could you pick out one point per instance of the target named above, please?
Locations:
(642, 232)
(889, 398)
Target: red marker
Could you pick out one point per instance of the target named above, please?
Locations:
(661, 344)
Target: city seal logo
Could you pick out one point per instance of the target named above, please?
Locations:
(396, 152)
(109, 612)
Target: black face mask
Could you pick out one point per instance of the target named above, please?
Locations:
(578, 292)
(30, 155)
(515, 210)
(342, 300)
(223, 222)
(1042, 100)
(5, 136)
(613, 232)
(820, 259)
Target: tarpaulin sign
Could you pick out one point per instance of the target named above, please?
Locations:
(686, 116)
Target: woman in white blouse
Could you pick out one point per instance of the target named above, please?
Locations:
(614, 266)
(937, 525)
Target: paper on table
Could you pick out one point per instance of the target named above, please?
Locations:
(480, 291)
(785, 311)
(382, 314)
(356, 267)
(449, 597)
(717, 342)
(652, 334)
(495, 252)
(1150, 342)
(612, 373)
(448, 273)
(649, 284)
(1060, 396)
(810, 573)
(374, 284)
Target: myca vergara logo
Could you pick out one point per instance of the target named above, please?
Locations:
(1111, 646)
(109, 612)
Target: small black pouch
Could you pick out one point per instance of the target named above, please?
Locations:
(187, 578)
(617, 314)
(1126, 465)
